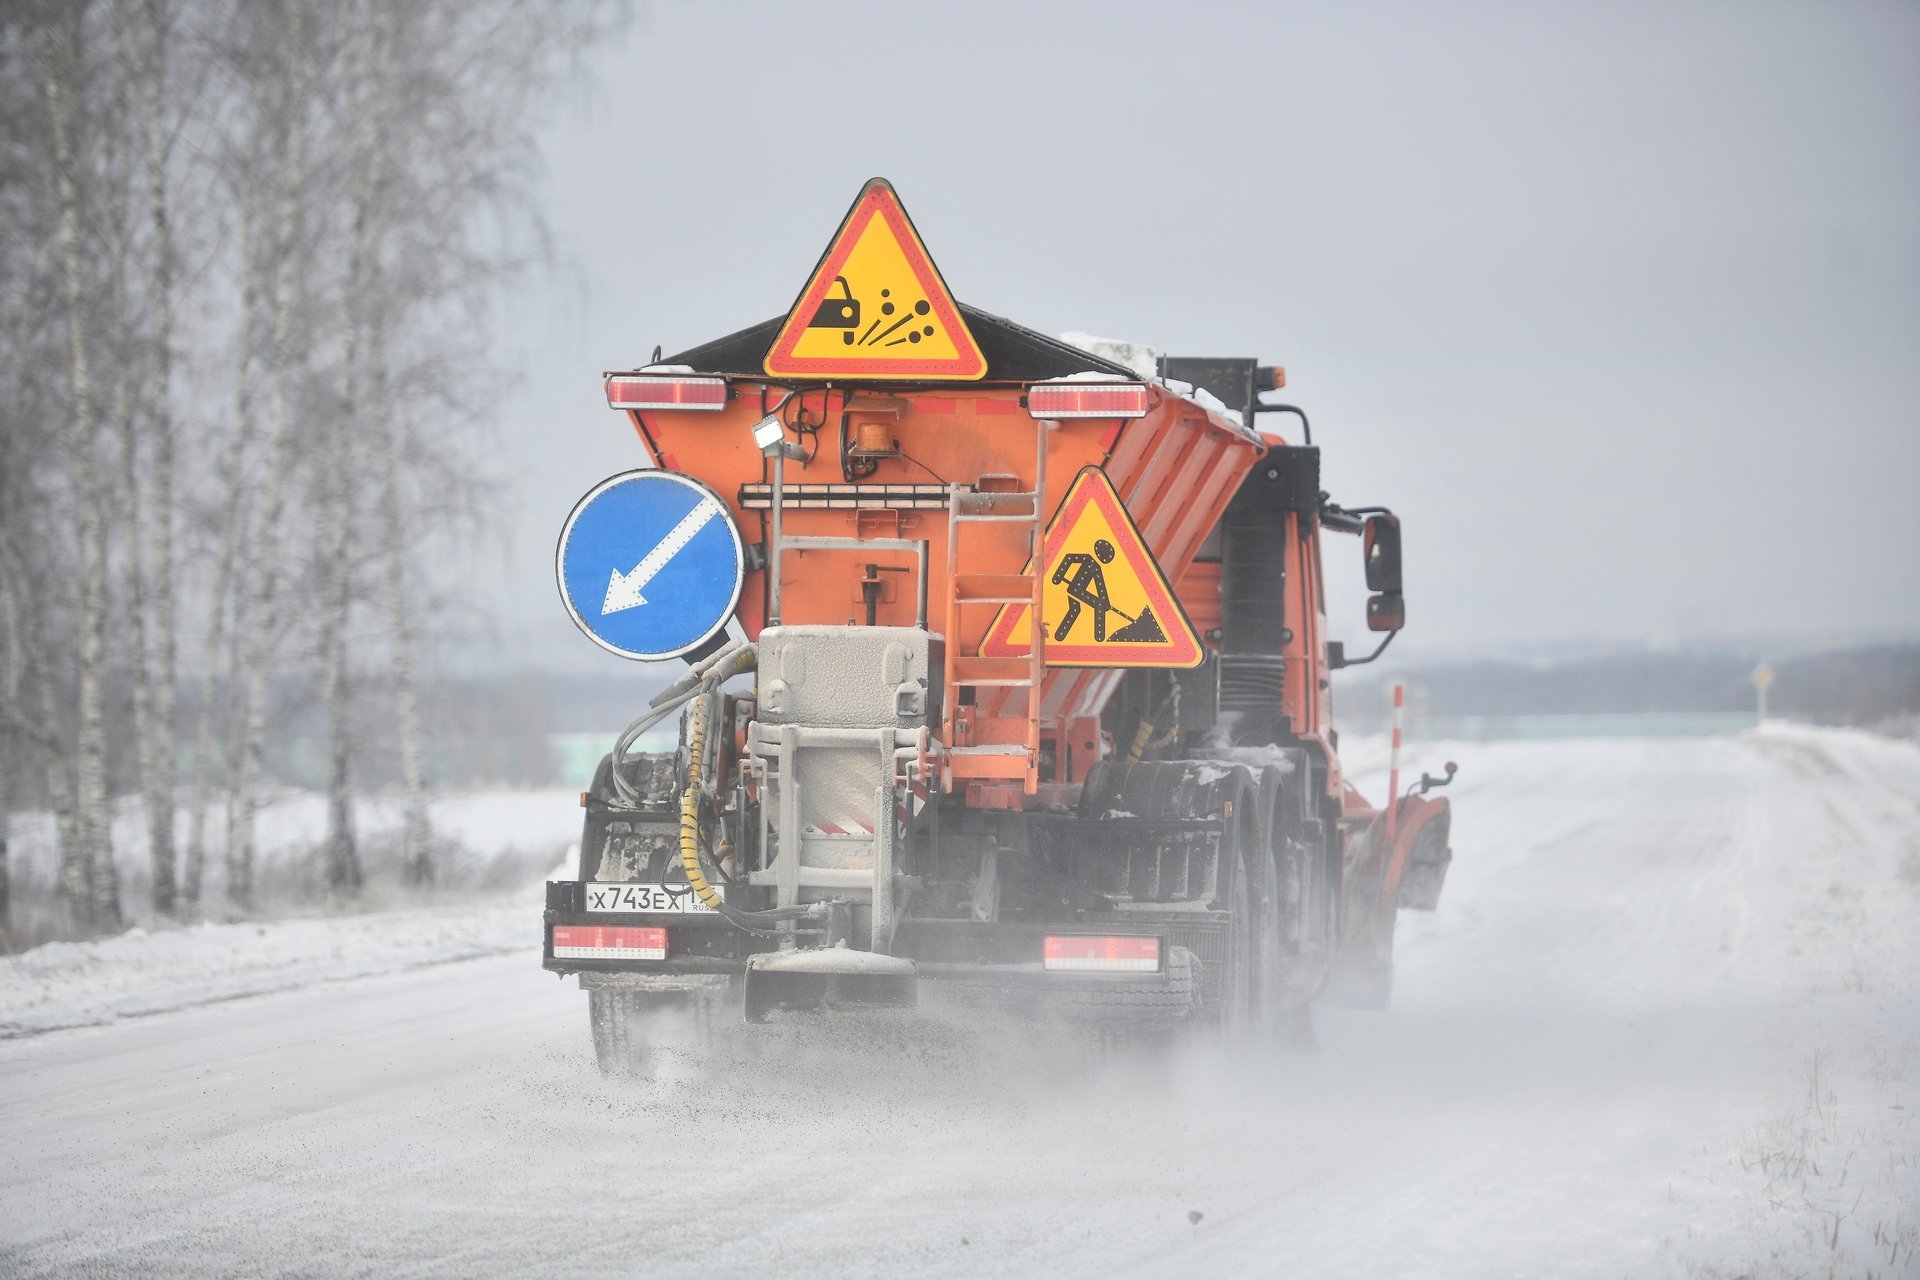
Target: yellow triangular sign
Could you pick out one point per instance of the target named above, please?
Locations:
(1105, 601)
(876, 306)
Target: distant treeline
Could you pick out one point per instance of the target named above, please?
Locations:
(1867, 686)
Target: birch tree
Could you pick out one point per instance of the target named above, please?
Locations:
(214, 653)
(218, 654)
(92, 880)
(416, 836)
(152, 745)
(159, 778)
(342, 862)
(285, 247)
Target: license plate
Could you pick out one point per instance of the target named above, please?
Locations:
(611, 898)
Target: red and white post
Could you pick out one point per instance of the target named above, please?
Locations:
(1393, 767)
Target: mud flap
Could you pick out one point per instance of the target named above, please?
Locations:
(1424, 862)
(828, 978)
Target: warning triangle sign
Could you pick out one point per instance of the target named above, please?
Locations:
(1105, 602)
(876, 306)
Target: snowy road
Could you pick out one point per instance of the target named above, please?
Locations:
(1666, 1022)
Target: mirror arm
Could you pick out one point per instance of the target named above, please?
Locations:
(1338, 518)
(1347, 519)
(1381, 648)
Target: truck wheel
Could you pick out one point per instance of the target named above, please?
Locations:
(1238, 1007)
(630, 1025)
(1300, 971)
(619, 1032)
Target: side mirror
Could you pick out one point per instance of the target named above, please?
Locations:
(1386, 611)
(1380, 545)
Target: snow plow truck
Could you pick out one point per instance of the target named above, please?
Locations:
(1006, 668)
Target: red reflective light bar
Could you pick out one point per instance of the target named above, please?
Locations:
(1087, 400)
(665, 391)
(1102, 955)
(607, 942)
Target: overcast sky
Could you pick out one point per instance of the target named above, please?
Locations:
(1618, 305)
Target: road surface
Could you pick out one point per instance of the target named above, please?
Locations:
(1665, 1022)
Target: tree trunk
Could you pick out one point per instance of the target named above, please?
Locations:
(287, 254)
(7, 750)
(160, 778)
(232, 527)
(147, 743)
(12, 668)
(93, 822)
(27, 657)
(342, 857)
(336, 511)
(416, 835)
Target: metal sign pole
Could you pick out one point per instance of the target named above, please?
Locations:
(779, 456)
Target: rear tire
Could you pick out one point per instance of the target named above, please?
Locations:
(630, 1025)
(1298, 968)
(619, 1034)
(1237, 1014)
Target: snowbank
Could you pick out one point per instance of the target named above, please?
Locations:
(82, 984)
(495, 849)
(485, 842)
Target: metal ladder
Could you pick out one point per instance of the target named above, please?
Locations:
(987, 503)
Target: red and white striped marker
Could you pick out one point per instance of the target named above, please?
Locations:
(1393, 765)
(845, 827)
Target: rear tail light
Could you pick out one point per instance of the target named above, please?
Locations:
(603, 942)
(1102, 955)
(1072, 399)
(665, 391)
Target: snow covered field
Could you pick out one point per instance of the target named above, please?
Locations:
(485, 839)
(1666, 1022)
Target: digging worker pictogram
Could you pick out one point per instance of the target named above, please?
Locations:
(1087, 587)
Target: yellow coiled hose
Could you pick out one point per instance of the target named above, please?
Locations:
(690, 807)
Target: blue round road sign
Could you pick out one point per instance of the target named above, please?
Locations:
(650, 564)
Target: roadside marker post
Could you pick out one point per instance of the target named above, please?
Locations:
(1762, 678)
(1393, 761)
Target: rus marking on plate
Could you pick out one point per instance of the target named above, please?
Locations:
(650, 564)
(1105, 602)
(875, 306)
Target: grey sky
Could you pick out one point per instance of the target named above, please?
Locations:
(1618, 305)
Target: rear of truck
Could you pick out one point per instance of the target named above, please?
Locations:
(886, 775)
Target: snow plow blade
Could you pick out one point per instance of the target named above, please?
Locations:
(828, 978)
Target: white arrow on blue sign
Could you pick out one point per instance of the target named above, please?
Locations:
(650, 564)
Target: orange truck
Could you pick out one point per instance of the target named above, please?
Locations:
(1006, 671)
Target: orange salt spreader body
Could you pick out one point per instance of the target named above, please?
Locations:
(1132, 811)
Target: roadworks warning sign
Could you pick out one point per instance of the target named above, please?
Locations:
(1105, 601)
(876, 306)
